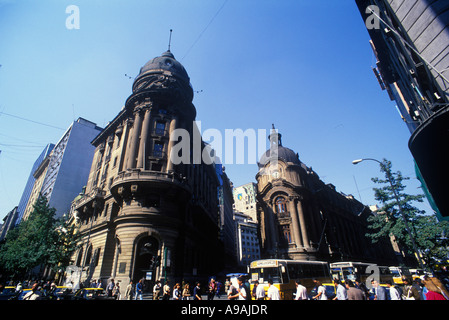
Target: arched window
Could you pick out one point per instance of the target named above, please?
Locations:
(281, 205)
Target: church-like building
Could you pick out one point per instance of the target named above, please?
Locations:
(142, 215)
(303, 218)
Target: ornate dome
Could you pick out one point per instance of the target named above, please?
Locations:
(165, 62)
(283, 153)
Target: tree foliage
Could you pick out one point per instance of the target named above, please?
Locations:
(426, 230)
(39, 240)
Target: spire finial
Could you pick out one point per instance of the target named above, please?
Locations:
(169, 40)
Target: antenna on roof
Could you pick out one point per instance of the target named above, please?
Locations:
(169, 40)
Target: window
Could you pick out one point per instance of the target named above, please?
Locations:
(160, 128)
(287, 233)
(157, 151)
(280, 204)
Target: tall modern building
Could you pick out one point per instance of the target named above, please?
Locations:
(245, 200)
(303, 218)
(30, 182)
(150, 209)
(63, 173)
(410, 39)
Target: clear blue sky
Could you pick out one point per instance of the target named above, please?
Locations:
(303, 65)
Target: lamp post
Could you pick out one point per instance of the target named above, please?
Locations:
(388, 173)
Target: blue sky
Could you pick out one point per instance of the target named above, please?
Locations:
(303, 65)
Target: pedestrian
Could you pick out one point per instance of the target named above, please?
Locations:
(177, 292)
(218, 291)
(410, 291)
(353, 292)
(99, 284)
(110, 288)
(93, 284)
(379, 291)
(116, 291)
(321, 291)
(232, 292)
(129, 292)
(394, 293)
(157, 290)
(434, 292)
(139, 290)
(241, 291)
(34, 293)
(341, 291)
(258, 291)
(212, 289)
(301, 291)
(166, 291)
(186, 292)
(272, 292)
(360, 285)
(197, 292)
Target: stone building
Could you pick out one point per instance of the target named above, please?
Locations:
(144, 214)
(303, 218)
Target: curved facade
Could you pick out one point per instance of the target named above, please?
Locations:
(302, 218)
(142, 216)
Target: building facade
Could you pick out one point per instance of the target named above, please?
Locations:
(150, 208)
(30, 182)
(410, 40)
(247, 240)
(62, 174)
(302, 218)
(245, 200)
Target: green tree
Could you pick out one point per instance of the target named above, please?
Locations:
(400, 215)
(403, 220)
(40, 240)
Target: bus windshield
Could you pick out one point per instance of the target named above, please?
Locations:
(265, 274)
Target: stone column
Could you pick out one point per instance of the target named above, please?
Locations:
(302, 221)
(295, 224)
(134, 142)
(143, 138)
(172, 127)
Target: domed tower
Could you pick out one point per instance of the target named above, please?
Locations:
(145, 216)
(288, 227)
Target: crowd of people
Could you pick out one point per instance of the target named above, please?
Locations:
(425, 288)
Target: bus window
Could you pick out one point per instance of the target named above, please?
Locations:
(265, 274)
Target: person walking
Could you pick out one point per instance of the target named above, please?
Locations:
(379, 291)
(139, 290)
(157, 290)
(197, 292)
(410, 292)
(212, 289)
(394, 293)
(321, 291)
(129, 292)
(434, 291)
(341, 291)
(186, 292)
(353, 292)
(166, 291)
(177, 292)
(259, 291)
(110, 287)
(241, 291)
(272, 292)
(301, 291)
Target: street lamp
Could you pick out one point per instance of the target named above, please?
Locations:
(388, 173)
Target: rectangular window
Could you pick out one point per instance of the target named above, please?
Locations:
(157, 151)
(160, 128)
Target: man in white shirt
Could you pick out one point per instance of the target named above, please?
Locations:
(260, 291)
(241, 294)
(301, 291)
(341, 291)
(273, 292)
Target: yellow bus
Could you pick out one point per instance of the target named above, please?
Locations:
(399, 273)
(283, 273)
(360, 270)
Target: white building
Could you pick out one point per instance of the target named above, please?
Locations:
(247, 240)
